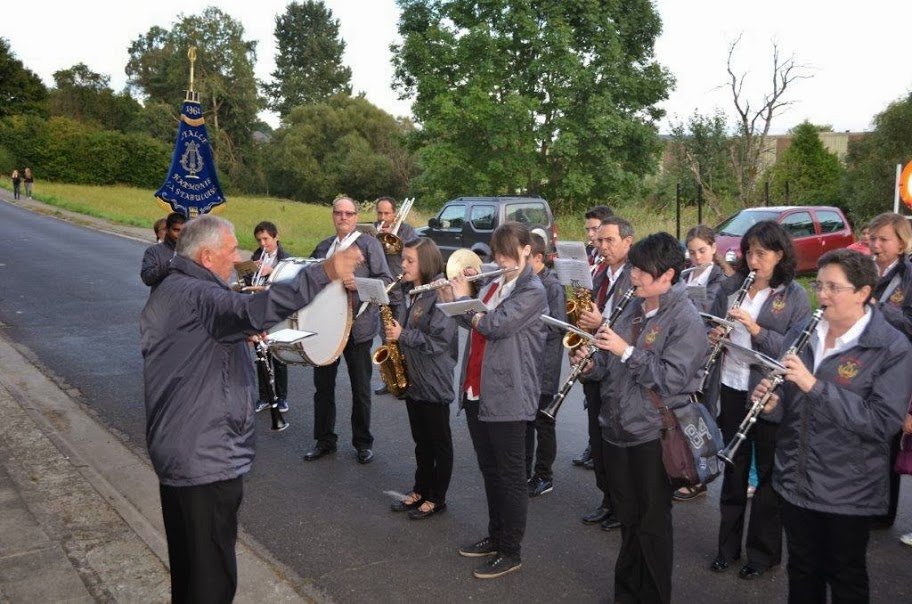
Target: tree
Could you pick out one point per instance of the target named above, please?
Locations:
(84, 95)
(753, 125)
(21, 90)
(871, 161)
(309, 65)
(813, 174)
(516, 97)
(701, 156)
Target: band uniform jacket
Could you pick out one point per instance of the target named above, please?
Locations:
(897, 308)
(554, 337)
(156, 262)
(281, 254)
(621, 285)
(833, 446)
(374, 266)
(430, 343)
(667, 357)
(199, 382)
(713, 284)
(787, 306)
(515, 333)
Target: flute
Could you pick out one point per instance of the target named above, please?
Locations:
(441, 283)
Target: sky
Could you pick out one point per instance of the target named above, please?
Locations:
(855, 66)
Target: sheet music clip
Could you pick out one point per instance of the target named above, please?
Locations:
(372, 290)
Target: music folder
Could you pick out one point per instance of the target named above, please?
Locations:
(288, 337)
(452, 309)
(247, 267)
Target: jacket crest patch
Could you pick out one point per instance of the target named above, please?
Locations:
(847, 370)
(897, 297)
(650, 337)
(779, 304)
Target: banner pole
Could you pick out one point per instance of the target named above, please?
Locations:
(896, 189)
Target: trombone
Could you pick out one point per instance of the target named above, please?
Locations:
(392, 243)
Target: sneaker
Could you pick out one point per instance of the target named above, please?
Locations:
(485, 547)
(497, 567)
(283, 405)
(260, 405)
(907, 538)
(540, 486)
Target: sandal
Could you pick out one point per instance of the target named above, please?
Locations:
(688, 493)
(411, 501)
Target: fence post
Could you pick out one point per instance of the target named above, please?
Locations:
(678, 208)
(699, 204)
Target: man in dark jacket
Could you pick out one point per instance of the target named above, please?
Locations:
(157, 260)
(199, 392)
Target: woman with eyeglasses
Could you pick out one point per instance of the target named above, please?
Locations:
(843, 397)
(774, 304)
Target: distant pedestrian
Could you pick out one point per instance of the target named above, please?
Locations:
(16, 183)
(156, 260)
(27, 177)
(159, 229)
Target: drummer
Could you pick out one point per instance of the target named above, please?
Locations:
(267, 256)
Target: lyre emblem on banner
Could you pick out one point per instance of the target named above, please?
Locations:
(192, 160)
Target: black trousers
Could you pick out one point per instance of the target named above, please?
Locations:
(430, 424)
(825, 549)
(547, 442)
(501, 451)
(641, 494)
(887, 520)
(592, 392)
(358, 359)
(280, 370)
(764, 530)
(201, 527)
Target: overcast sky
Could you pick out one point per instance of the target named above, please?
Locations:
(857, 65)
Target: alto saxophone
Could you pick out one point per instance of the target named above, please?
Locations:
(579, 301)
(389, 358)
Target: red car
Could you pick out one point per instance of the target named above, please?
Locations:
(814, 229)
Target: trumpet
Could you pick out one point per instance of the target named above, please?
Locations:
(776, 378)
(717, 349)
(576, 370)
(392, 243)
(441, 283)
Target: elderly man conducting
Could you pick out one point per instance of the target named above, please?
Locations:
(199, 393)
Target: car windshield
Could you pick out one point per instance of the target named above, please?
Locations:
(738, 224)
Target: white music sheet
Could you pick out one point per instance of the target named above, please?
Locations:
(452, 309)
(371, 290)
(572, 250)
(575, 273)
(288, 336)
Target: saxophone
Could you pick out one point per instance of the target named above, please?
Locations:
(389, 358)
(579, 300)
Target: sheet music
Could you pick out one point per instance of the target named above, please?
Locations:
(288, 336)
(452, 309)
(572, 250)
(575, 273)
(567, 327)
(367, 228)
(371, 290)
(696, 292)
(247, 267)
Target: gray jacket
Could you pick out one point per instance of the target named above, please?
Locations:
(515, 333)
(666, 359)
(713, 284)
(156, 263)
(374, 266)
(199, 378)
(897, 308)
(833, 446)
(430, 343)
(554, 347)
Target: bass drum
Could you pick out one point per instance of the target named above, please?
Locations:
(329, 316)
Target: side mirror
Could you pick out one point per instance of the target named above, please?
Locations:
(434, 223)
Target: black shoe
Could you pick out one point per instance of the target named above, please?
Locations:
(720, 564)
(751, 571)
(365, 456)
(497, 567)
(540, 486)
(260, 405)
(585, 456)
(318, 451)
(610, 523)
(485, 547)
(402, 506)
(688, 493)
(596, 515)
(382, 390)
(282, 405)
(418, 514)
(590, 464)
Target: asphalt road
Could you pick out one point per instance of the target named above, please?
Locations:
(72, 296)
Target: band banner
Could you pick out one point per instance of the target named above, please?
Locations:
(192, 185)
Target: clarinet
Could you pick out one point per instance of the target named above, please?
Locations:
(776, 378)
(550, 412)
(717, 349)
(262, 352)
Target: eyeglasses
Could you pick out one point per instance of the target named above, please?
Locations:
(830, 288)
(343, 213)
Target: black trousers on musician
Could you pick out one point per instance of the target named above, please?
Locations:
(886, 521)
(201, 527)
(501, 451)
(280, 370)
(764, 530)
(825, 549)
(358, 359)
(430, 424)
(592, 392)
(544, 455)
(641, 494)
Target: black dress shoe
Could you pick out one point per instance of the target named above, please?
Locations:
(610, 523)
(585, 456)
(720, 564)
(382, 390)
(751, 571)
(417, 514)
(365, 456)
(318, 451)
(590, 464)
(402, 506)
(596, 515)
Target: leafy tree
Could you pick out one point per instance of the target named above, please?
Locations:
(21, 90)
(84, 95)
(309, 65)
(526, 97)
(814, 175)
(871, 161)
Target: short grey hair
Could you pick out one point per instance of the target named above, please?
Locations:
(201, 233)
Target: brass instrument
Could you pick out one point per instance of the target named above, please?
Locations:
(776, 378)
(390, 359)
(579, 301)
(717, 349)
(460, 260)
(392, 243)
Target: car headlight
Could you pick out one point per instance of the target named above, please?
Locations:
(731, 256)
